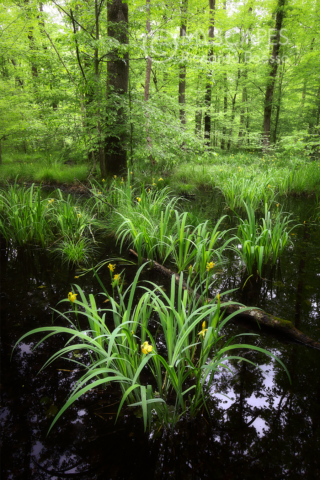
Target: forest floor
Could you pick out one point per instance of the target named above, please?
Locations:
(231, 173)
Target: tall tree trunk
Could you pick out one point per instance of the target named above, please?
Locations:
(242, 112)
(272, 76)
(182, 67)
(278, 105)
(233, 109)
(100, 150)
(148, 79)
(225, 111)
(117, 85)
(207, 116)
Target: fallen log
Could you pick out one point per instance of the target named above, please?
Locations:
(259, 316)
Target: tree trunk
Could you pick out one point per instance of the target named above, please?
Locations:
(233, 109)
(278, 106)
(207, 116)
(117, 86)
(272, 76)
(100, 151)
(225, 111)
(182, 67)
(147, 82)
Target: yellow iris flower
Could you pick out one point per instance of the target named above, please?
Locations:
(204, 330)
(72, 296)
(117, 277)
(210, 266)
(146, 348)
(139, 199)
(112, 267)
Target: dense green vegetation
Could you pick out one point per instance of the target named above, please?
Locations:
(142, 102)
(205, 77)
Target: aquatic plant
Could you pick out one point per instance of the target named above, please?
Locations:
(24, 216)
(261, 243)
(75, 252)
(182, 373)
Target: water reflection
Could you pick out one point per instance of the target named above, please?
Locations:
(256, 423)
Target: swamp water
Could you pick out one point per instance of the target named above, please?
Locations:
(259, 425)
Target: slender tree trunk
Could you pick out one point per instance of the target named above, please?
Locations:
(278, 106)
(182, 67)
(242, 112)
(117, 86)
(207, 116)
(225, 112)
(272, 76)
(100, 150)
(148, 79)
(0, 152)
(233, 109)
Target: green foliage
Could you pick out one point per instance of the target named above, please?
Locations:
(261, 243)
(181, 376)
(24, 216)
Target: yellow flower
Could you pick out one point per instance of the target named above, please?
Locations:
(218, 296)
(210, 266)
(72, 296)
(114, 176)
(190, 267)
(99, 193)
(103, 180)
(79, 215)
(130, 186)
(139, 199)
(131, 173)
(117, 277)
(77, 276)
(111, 267)
(160, 179)
(269, 186)
(154, 184)
(277, 205)
(148, 189)
(146, 348)
(204, 330)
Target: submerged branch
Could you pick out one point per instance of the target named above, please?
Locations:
(262, 318)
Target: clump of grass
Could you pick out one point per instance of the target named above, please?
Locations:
(75, 252)
(24, 217)
(262, 243)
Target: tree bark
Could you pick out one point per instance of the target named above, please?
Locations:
(273, 62)
(207, 116)
(278, 106)
(117, 86)
(182, 67)
(148, 79)
(233, 109)
(225, 111)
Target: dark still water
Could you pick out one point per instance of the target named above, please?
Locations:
(258, 425)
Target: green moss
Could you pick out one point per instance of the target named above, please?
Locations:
(284, 323)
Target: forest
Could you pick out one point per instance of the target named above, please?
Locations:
(141, 84)
(159, 239)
